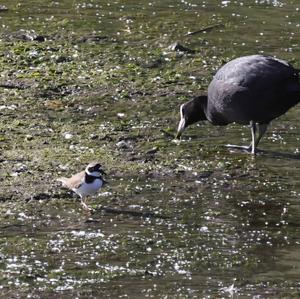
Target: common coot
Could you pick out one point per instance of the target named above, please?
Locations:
(247, 90)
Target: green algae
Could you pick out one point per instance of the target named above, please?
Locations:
(104, 75)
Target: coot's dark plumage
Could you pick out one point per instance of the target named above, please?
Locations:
(247, 90)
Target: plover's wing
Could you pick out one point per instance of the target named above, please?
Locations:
(73, 182)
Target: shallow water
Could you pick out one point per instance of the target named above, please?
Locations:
(188, 220)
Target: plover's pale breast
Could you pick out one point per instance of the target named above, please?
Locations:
(86, 189)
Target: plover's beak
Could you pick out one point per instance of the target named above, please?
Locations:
(180, 128)
(102, 171)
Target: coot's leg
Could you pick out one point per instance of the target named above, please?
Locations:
(252, 147)
(262, 128)
(253, 142)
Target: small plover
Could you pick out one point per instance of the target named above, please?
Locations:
(86, 182)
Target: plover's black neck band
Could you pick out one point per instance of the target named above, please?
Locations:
(90, 178)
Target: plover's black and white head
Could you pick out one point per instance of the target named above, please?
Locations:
(86, 182)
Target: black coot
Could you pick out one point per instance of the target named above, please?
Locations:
(247, 90)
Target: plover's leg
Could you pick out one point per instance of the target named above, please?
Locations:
(85, 206)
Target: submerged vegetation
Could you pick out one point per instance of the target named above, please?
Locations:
(102, 80)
